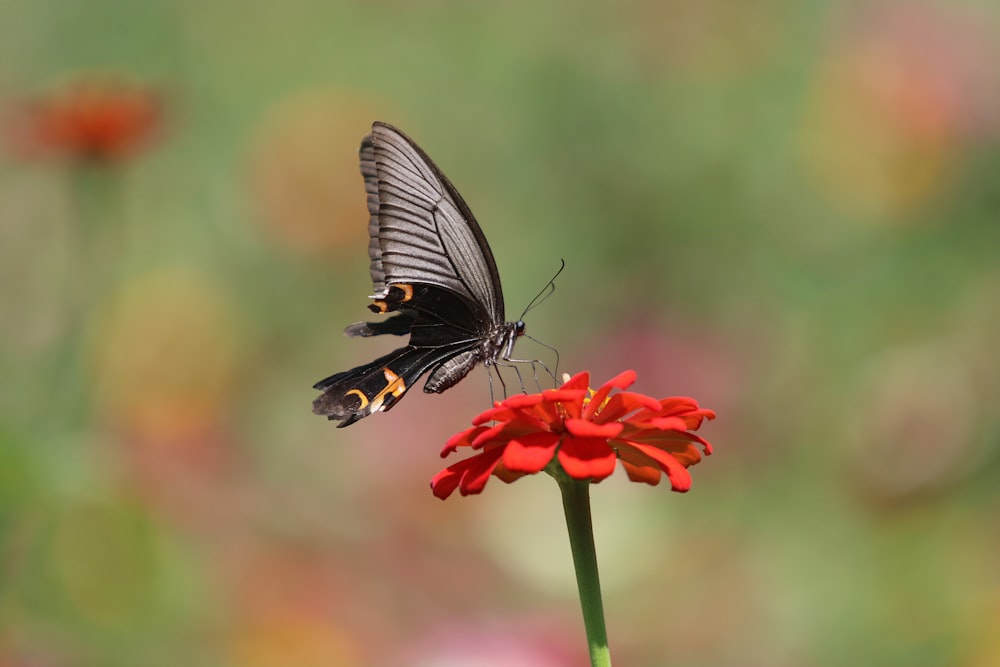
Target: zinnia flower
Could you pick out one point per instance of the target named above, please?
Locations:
(99, 120)
(586, 431)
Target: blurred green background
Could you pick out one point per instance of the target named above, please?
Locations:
(787, 210)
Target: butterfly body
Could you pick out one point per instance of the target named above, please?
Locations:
(433, 271)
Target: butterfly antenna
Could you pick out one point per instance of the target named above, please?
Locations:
(546, 291)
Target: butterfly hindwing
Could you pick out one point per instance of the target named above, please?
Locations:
(432, 315)
(376, 386)
(398, 325)
(443, 340)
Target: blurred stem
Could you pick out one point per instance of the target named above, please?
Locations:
(100, 228)
(94, 260)
(576, 504)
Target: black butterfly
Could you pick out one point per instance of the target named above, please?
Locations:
(430, 264)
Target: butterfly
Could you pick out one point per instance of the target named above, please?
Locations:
(432, 268)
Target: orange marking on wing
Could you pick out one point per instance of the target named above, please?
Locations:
(360, 394)
(394, 385)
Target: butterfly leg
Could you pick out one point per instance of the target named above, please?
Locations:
(520, 378)
(553, 375)
(496, 367)
(535, 363)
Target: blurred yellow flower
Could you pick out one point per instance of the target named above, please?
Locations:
(289, 637)
(165, 357)
(304, 178)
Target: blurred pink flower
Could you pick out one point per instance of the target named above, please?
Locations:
(931, 66)
(902, 90)
(494, 643)
(916, 423)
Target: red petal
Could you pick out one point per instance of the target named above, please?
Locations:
(522, 401)
(674, 404)
(498, 413)
(488, 434)
(625, 402)
(506, 409)
(548, 413)
(696, 417)
(621, 381)
(664, 439)
(463, 439)
(688, 456)
(570, 400)
(563, 395)
(518, 425)
(530, 453)
(701, 441)
(479, 470)
(639, 467)
(665, 407)
(587, 429)
(445, 482)
(536, 419)
(579, 381)
(680, 478)
(506, 476)
(587, 458)
(469, 475)
(666, 424)
(650, 474)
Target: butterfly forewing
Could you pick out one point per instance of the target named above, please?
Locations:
(426, 232)
(432, 271)
(370, 174)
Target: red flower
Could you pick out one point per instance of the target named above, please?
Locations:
(92, 120)
(587, 432)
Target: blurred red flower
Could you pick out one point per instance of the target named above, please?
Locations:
(586, 431)
(100, 120)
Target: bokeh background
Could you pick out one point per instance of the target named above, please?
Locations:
(788, 210)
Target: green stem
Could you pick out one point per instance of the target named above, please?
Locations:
(576, 504)
(97, 241)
